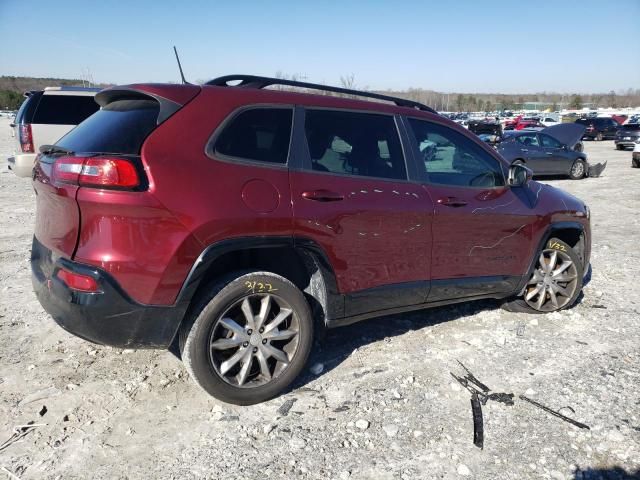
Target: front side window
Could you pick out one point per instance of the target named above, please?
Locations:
(450, 158)
(351, 143)
(549, 142)
(259, 134)
(529, 140)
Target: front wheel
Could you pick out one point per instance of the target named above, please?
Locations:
(554, 284)
(249, 338)
(635, 162)
(619, 147)
(578, 170)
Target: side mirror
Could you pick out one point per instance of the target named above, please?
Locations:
(519, 175)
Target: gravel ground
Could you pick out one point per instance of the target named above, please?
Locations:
(384, 405)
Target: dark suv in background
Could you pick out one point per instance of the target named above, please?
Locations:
(239, 220)
(627, 136)
(599, 128)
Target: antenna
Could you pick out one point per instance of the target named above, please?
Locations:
(179, 66)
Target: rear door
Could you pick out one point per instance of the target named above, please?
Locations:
(353, 198)
(482, 227)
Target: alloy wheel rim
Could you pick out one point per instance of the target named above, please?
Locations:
(254, 340)
(553, 283)
(578, 169)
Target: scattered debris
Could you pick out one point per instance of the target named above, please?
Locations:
(11, 475)
(478, 425)
(39, 395)
(42, 411)
(391, 430)
(286, 406)
(362, 424)
(19, 432)
(479, 396)
(520, 330)
(557, 414)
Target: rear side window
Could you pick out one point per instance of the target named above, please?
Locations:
(354, 144)
(120, 127)
(259, 134)
(64, 109)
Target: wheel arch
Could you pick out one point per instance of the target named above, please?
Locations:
(572, 233)
(299, 260)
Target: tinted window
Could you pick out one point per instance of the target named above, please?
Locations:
(528, 139)
(120, 127)
(64, 109)
(354, 144)
(450, 158)
(25, 113)
(631, 126)
(261, 134)
(549, 142)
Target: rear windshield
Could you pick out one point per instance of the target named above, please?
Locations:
(120, 127)
(64, 109)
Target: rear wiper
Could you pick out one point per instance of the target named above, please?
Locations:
(51, 149)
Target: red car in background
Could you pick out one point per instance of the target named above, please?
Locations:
(520, 122)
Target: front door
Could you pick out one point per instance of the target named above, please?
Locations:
(354, 200)
(482, 227)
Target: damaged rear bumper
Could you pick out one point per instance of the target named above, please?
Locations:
(107, 317)
(597, 169)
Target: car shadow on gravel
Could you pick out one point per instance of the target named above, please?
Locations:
(339, 343)
(613, 473)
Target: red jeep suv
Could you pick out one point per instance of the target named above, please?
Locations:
(235, 220)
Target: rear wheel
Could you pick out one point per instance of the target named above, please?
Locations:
(635, 162)
(599, 137)
(555, 283)
(578, 170)
(249, 338)
(619, 147)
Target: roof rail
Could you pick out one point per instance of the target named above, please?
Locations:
(253, 81)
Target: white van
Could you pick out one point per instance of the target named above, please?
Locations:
(44, 117)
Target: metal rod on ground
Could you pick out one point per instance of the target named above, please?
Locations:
(556, 414)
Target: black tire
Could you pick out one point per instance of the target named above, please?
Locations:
(197, 337)
(599, 137)
(519, 305)
(578, 170)
(635, 163)
(619, 147)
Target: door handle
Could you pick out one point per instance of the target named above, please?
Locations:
(322, 196)
(524, 149)
(549, 153)
(451, 202)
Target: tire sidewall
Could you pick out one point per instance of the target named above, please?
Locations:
(196, 347)
(584, 170)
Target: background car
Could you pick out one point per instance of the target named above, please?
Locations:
(627, 136)
(599, 128)
(44, 117)
(547, 152)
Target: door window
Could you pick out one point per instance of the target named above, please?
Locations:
(549, 142)
(529, 140)
(352, 143)
(450, 158)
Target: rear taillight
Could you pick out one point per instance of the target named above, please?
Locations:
(76, 281)
(26, 138)
(105, 172)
